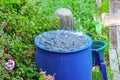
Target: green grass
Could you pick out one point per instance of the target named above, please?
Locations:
(97, 75)
(104, 6)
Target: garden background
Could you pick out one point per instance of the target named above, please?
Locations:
(22, 20)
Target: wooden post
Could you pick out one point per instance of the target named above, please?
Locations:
(66, 18)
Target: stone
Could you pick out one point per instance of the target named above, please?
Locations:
(113, 37)
(113, 60)
(118, 36)
(110, 19)
(66, 18)
(116, 75)
(118, 54)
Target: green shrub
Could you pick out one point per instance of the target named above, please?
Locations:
(105, 6)
(97, 75)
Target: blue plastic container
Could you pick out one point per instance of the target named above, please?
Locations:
(67, 65)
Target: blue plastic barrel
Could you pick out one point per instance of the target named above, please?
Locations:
(67, 65)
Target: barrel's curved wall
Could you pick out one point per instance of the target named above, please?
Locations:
(72, 65)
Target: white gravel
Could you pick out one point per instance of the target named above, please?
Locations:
(63, 40)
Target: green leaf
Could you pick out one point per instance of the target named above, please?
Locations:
(98, 28)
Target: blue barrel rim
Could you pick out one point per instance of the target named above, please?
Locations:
(100, 42)
(36, 42)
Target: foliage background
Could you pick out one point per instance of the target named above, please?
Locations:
(22, 20)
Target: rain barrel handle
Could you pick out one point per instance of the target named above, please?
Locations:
(96, 58)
